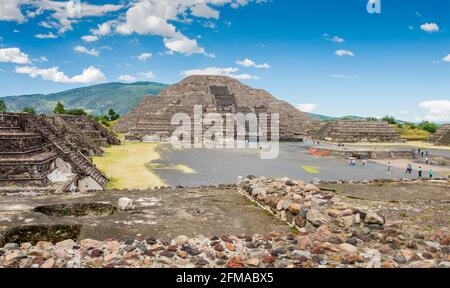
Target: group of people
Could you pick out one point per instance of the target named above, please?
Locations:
(352, 162)
(409, 170)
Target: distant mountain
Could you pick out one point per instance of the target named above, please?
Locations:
(96, 99)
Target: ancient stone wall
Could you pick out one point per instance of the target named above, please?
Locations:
(352, 131)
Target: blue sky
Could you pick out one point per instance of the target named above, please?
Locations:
(327, 57)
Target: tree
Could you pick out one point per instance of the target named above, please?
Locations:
(2, 106)
(389, 119)
(76, 111)
(59, 108)
(113, 115)
(371, 119)
(428, 126)
(29, 110)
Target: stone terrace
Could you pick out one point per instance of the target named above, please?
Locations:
(30, 148)
(351, 131)
(442, 136)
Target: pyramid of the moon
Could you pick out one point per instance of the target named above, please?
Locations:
(151, 118)
(442, 136)
(34, 152)
(351, 131)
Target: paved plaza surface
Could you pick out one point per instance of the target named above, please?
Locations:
(217, 166)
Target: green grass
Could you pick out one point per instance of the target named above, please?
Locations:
(412, 134)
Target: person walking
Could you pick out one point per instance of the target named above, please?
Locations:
(364, 161)
(389, 167)
(430, 173)
(410, 168)
(419, 172)
(426, 161)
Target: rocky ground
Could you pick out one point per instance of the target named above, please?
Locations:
(328, 230)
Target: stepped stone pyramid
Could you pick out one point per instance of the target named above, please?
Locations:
(351, 131)
(219, 94)
(86, 130)
(442, 136)
(33, 153)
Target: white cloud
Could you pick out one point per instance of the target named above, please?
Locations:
(249, 63)
(335, 39)
(10, 11)
(89, 75)
(147, 75)
(307, 107)
(144, 56)
(82, 49)
(230, 72)
(438, 110)
(65, 13)
(127, 78)
(13, 55)
(89, 38)
(343, 76)
(184, 45)
(446, 58)
(430, 27)
(46, 36)
(344, 53)
(158, 17)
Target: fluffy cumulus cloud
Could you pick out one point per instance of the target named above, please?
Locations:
(230, 72)
(14, 55)
(144, 56)
(144, 17)
(307, 107)
(344, 53)
(430, 27)
(82, 49)
(249, 63)
(89, 75)
(157, 17)
(438, 110)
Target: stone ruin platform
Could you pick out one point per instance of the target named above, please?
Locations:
(151, 119)
(230, 226)
(361, 152)
(442, 136)
(352, 131)
(34, 153)
(84, 132)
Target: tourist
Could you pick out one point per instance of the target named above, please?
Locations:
(419, 171)
(430, 173)
(426, 161)
(426, 153)
(422, 154)
(409, 168)
(389, 167)
(364, 161)
(349, 162)
(353, 162)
